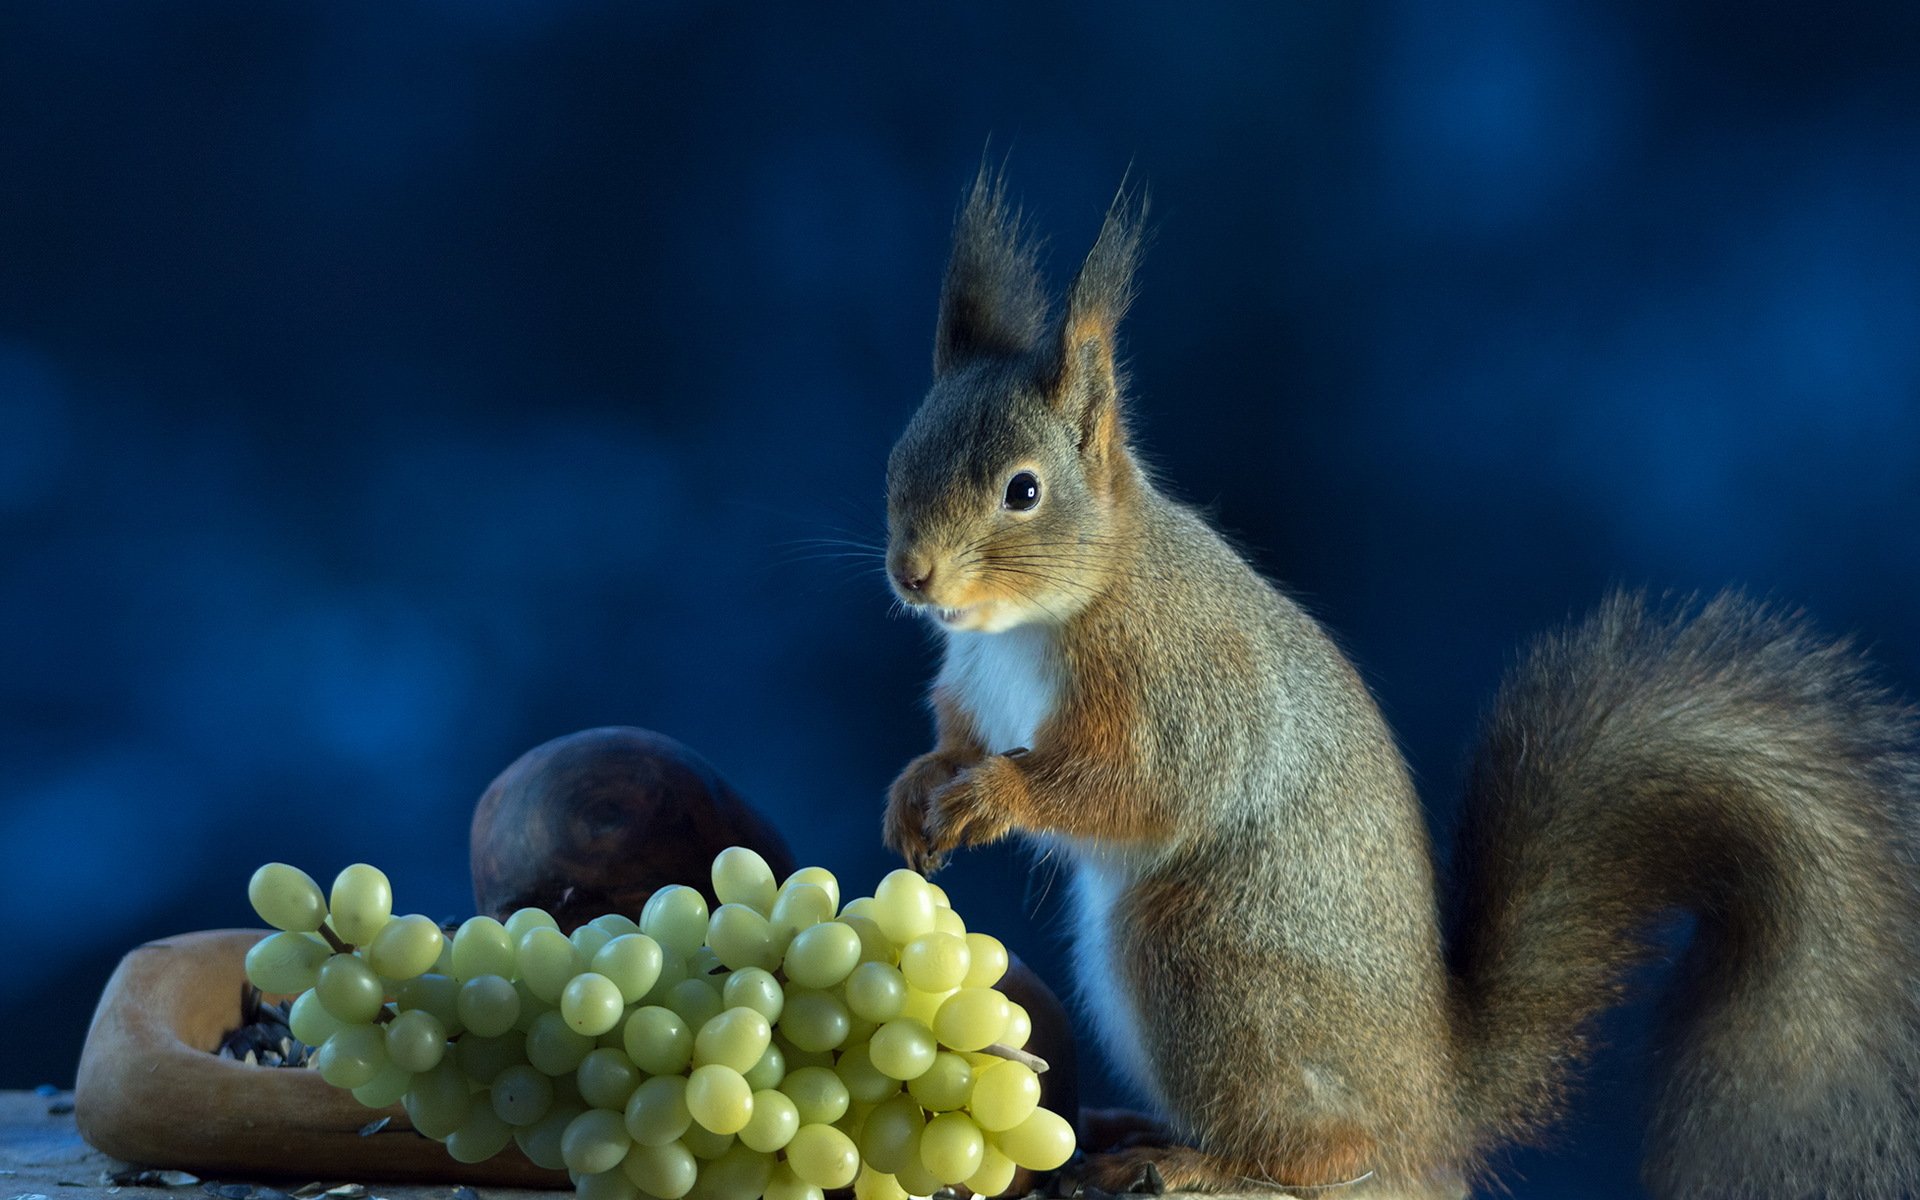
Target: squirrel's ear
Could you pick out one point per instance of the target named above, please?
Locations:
(991, 304)
(1085, 387)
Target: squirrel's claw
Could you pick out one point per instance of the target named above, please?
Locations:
(966, 810)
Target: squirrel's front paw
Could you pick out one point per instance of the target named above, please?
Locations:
(975, 808)
(904, 828)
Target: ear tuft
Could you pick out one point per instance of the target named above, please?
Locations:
(1085, 386)
(1103, 290)
(992, 303)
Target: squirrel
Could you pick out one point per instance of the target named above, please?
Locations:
(1258, 935)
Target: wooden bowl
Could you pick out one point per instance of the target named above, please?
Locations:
(152, 1092)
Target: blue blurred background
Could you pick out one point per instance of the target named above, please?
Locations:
(385, 389)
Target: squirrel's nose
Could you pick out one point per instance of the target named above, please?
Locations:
(914, 579)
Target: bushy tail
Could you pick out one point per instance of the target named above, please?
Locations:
(1729, 762)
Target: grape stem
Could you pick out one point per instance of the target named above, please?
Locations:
(333, 939)
(1033, 1062)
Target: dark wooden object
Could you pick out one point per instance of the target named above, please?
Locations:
(592, 823)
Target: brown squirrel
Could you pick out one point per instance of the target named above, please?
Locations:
(1258, 938)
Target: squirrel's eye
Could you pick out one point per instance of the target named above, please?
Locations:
(1023, 491)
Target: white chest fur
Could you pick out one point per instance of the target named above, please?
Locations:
(1006, 683)
(1100, 879)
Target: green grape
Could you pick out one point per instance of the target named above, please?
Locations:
(877, 1185)
(607, 1185)
(310, 1021)
(285, 962)
(361, 902)
(632, 961)
(719, 1098)
(704, 962)
(482, 946)
(553, 1045)
(666, 1172)
(481, 1136)
(706, 1144)
(591, 1004)
(783, 1184)
(800, 906)
(903, 1048)
(973, 1018)
(439, 1101)
(797, 1058)
(874, 946)
(615, 1038)
(876, 991)
(540, 1141)
(437, 994)
(482, 1059)
(755, 989)
(1004, 1094)
(488, 1005)
(735, 1038)
(823, 955)
(287, 898)
(888, 1136)
(521, 1095)
(523, 921)
(405, 947)
(935, 962)
(939, 895)
(384, 1089)
(350, 989)
(865, 1082)
(775, 1118)
(924, 1006)
(740, 876)
(696, 1000)
(416, 1041)
(547, 962)
(823, 1156)
(859, 1030)
(566, 1090)
(587, 941)
(902, 906)
(596, 1141)
(443, 961)
(742, 1173)
(947, 921)
(1019, 1026)
(818, 877)
(814, 1020)
(740, 938)
(1040, 1143)
(769, 1072)
(656, 1113)
(986, 959)
(952, 1147)
(531, 1006)
(616, 925)
(675, 917)
(352, 1057)
(658, 1040)
(673, 972)
(817, 1093)
(946, 1085)
(914, 1176)
(607, 1078)
(994, 1175)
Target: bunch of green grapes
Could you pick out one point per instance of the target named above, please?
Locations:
(779, 1045)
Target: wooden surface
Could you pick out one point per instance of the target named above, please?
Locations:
(42, 1154)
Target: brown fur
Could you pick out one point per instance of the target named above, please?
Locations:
(1261, 935)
